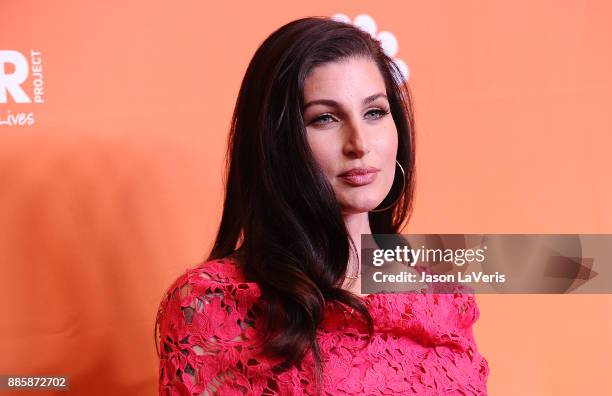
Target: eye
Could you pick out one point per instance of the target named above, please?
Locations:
(377, 113)
(318, 120)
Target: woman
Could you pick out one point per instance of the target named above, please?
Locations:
(321, 150)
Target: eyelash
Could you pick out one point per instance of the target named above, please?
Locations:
(381, 112)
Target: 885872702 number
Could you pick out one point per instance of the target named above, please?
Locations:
(33, 382)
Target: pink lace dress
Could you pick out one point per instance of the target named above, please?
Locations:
(422, 345)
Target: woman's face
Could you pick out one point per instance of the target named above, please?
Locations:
(351, 131)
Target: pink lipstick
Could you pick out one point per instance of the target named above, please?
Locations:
(359, 176)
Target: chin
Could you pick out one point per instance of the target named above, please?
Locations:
(359, 206)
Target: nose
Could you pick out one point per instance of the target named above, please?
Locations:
(356, 144)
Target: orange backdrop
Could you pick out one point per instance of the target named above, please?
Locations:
(115, 187)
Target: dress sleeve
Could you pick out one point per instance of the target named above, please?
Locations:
(206, 338)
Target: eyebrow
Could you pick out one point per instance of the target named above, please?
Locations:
(333, 103)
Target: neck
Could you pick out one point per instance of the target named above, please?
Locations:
(356, 224)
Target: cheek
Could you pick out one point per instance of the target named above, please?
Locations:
(393, 138)
(387, 146)
(322, 151)
(388, 152)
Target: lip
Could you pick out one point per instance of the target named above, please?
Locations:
(359, 176)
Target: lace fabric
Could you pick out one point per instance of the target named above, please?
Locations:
(422, 344)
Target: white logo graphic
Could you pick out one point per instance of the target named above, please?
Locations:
(387, 39)
(14, 73)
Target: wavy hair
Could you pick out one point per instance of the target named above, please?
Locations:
(280, 214)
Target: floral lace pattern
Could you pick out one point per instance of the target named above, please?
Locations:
(422, 344)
